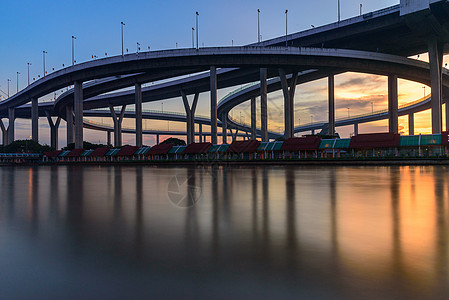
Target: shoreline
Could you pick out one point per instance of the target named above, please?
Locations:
(303, 162)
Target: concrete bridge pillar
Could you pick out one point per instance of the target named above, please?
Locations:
(4, 133)
(200, 132)
(108, 133)
(12, 118)
(436, 71)
(253, 118)
(117, 124)
(157, 139)
(263, 104)
(356, 128)
(331, 99)
(70, 128)
(138, 109)
(78, 107)
(289, 95)
(411, 124)
(34, 120)
(224, 128)
(213, 104)
(393, 103)
(190, 115)
(53, 130)
(234, 135)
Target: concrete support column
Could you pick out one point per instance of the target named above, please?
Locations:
(53, 130)
(331, 99)
(138, 109)
(200, 132)
(411, 124)
(34, 120)
(234, 135)
(190, 115)
(4, 133)
(289, 95)
(108, 133)
(253, 118)
(436, 69)
(78, 107)
(117, 124)
(157, 139)
(393, 103)
(263, 104)
(213, 104)
(70, 128)
(11, 118)
(356, 128)
(224, 128)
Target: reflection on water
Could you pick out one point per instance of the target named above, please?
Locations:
(342, 232)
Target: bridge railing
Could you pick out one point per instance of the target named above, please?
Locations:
(173, 113)
(358, 116)
(243, 87)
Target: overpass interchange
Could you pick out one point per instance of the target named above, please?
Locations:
(230, 66)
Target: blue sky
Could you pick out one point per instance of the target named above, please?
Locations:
(29, 27)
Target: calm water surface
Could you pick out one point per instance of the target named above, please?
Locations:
(315, 232)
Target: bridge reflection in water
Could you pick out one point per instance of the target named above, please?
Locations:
(343, 232)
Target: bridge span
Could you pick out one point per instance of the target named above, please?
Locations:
(377, 43)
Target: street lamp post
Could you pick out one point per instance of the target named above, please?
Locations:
(43, 54)
(258, 25)
(338, 10)
(73, 49)
(348, 113)
(18, 81)
(372, 107)
(286, 12)
(197, 43)
(138, 47)
(361, 5)
(29, 64)
(424, 91)
(122, 25)
(8, 86)
(193, 39)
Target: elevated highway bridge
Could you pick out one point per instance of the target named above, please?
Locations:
(378, 43)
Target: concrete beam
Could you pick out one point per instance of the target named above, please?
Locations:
(11, 118)
(253, 118)
(53, 130)
(393, 104)
(289, 95)
(331, 100)
(213, 104)
(117, 124)
(4, 133)
(70, 127)
(263, 104)
(78, 107)
(224, 130)
(34, 120)
(190, 115)
(411, 124)
(436, 67)
(138, 108)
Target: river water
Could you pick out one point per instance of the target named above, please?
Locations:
(310, 232)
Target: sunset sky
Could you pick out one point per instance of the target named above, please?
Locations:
(30, 27)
